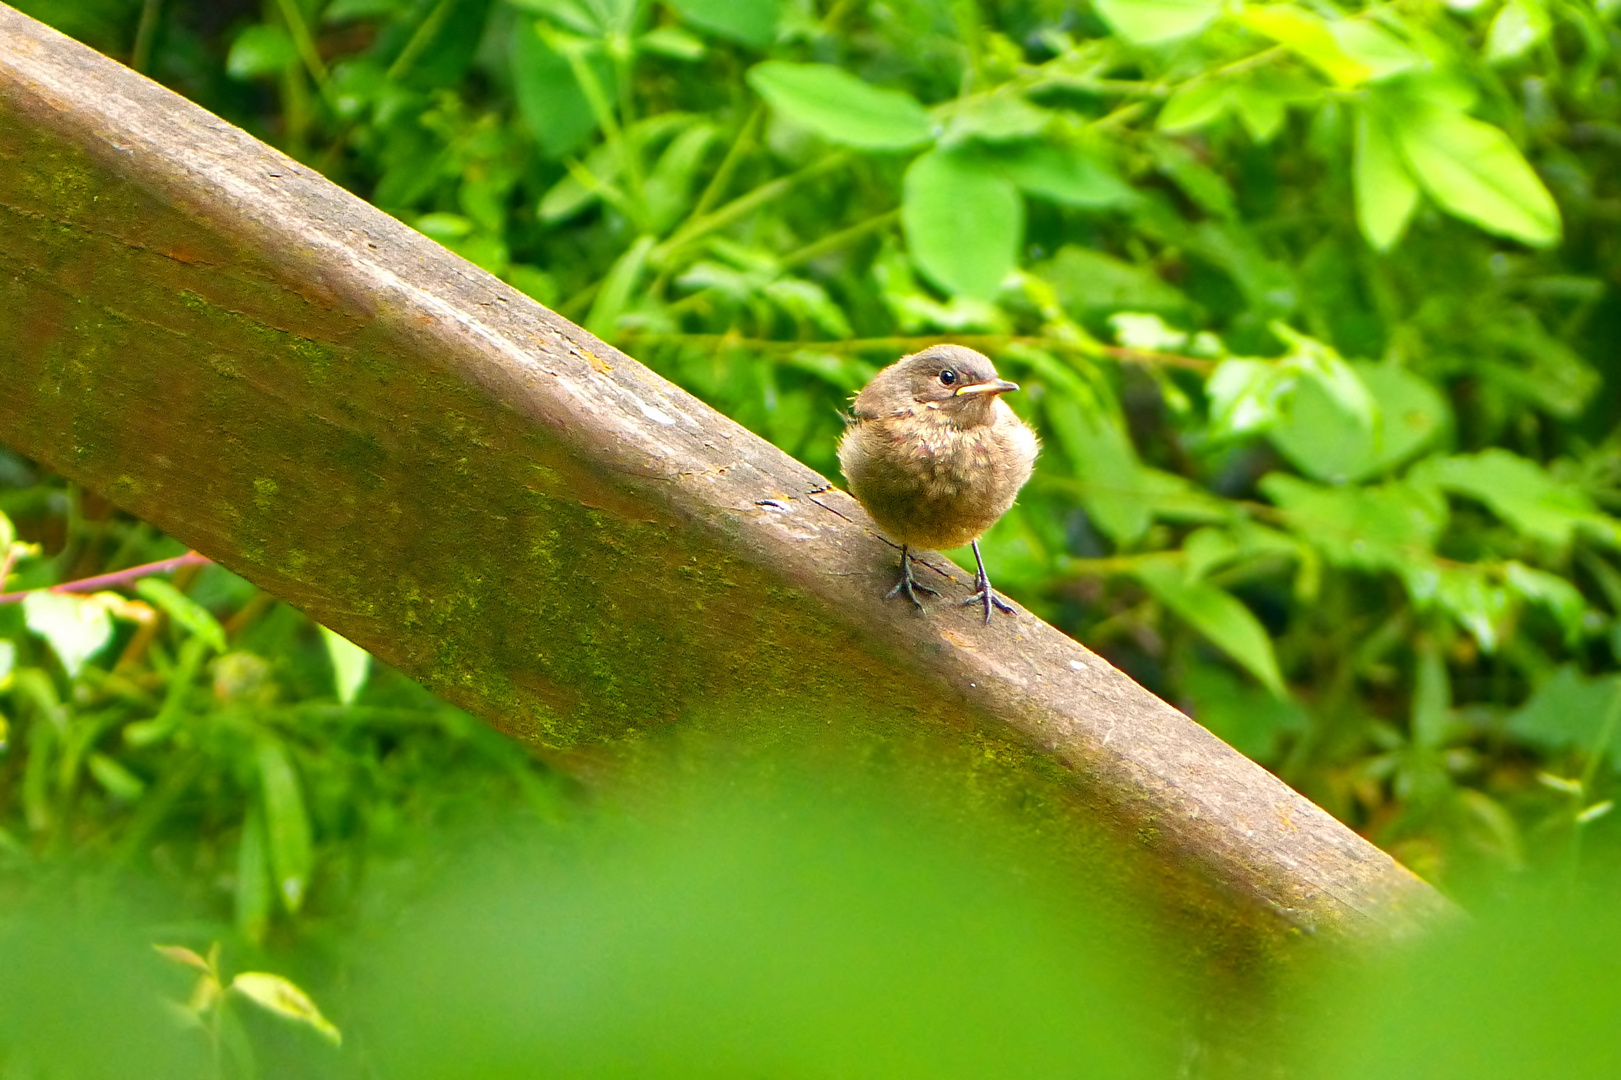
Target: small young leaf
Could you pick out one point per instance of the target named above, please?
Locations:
(284, 998)
(189, 615)
(1386, 195)
(1473, 170)
(287, 824)
(840, 107)
(964, 223)
(76, 627)
(1154, 22)
(350, 665)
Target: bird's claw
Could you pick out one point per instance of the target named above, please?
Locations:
(987, 596)
(908, 584)
(911, 587)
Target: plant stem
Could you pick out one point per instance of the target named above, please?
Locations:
(145, 32)
(742, 206)
(115, 579)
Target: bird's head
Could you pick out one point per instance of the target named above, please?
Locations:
(955, 380)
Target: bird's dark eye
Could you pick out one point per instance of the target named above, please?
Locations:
(947, 377)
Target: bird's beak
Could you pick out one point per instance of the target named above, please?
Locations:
(995, 386)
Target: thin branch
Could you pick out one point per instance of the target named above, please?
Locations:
(115, 579)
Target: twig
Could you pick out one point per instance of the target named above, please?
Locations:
(114, 579)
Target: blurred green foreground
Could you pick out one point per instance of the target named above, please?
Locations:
(1314, 306)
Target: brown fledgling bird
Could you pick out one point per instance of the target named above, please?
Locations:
(936, 457)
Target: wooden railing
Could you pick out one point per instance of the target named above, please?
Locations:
(542, 530)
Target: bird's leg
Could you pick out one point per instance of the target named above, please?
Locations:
(986, 595)
(908, 584)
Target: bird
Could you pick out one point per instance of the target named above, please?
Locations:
(936, 456)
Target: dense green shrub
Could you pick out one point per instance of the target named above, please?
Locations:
(1308, 302)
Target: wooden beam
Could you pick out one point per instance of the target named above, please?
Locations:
(541, 529)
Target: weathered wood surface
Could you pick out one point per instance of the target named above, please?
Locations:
(538, 527)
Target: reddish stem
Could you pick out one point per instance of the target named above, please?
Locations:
(116, 578)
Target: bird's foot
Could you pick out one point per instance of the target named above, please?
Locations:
(987, 596)
(910, 585)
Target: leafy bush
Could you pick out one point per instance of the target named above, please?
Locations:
(1308, 302)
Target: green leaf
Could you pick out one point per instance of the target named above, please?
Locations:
(283, 997)
(669, 185)
(1390, 527)
(1153, 22)
(1567, 712)
(673, 42)
(255, 893)
(261, 50)
(1004, 116)
(1324, 439)
(1382, 53)
(1198, 181)
(1386, 194)
(1473, 171)
(1467, 593)
(840, 107)
(1194, 105)
(76, 627)
(748, 22)
(186, 613)
(1103, 460)
(1562, 599)
(1062, 175)
(1520, 492)
(1251, 721)
(350, 665)
(287, 824)
(1307, 35)
(115, 779)
(1092, 284)
(1216, 614)
(550, 101)
(1261, 111)
(8, 662)
(1519, 26)
(1432, 698)
(617, 287)
(964, 223)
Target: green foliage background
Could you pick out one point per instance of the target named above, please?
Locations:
(1311, 303)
